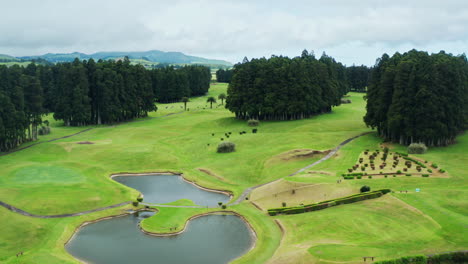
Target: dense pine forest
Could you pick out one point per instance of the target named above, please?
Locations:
(417, 97)
(86, 93)
(281, 88)
(358, 77)
(223, 75)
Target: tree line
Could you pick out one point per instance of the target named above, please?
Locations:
(223, 75)
(281, 88)
(358, 78)
(417, 97)
(86, 93)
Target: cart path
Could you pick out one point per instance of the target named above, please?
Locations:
(329, 155)
(19, 211)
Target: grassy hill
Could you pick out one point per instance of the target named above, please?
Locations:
(63, 177)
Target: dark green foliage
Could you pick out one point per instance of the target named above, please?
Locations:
(211, 100)
(457, 257)
(442, 171)
(417, 148)
(222, 97)
(417, 97)
(140, 199)
(281, 88)
(44, 130)
(358, 77)
(223, 206)
(365, 188)
(135, 203)
(434, 165)
(226, 147)
(254, 130)
(224, 75)
(220, 203)
(425, 175)
(326, 204)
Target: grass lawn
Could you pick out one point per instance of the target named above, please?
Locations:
(65, 177)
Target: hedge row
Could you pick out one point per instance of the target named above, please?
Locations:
(402, 154)
(416, 161)
(329, 203)
(457, 257)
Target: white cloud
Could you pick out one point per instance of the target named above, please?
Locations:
(351, 31)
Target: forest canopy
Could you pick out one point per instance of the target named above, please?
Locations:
(417, 97)
(87, 93)
(281, 88)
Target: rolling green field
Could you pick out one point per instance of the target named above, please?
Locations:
(65, 177)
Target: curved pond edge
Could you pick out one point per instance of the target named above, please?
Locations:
(98, 220)
(252, 232)
(225, 192)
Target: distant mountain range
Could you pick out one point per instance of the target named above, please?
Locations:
(152, 56)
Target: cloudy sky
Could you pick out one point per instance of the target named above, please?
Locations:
(352, 31)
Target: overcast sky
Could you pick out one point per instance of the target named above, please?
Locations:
(352, 31)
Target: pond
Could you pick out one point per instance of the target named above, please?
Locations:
(169, 188)
(209, 239)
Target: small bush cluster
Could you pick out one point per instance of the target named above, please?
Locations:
(44, 130)
(140, 199)
(226, 147)
(417, 148)
(365, 188)
(253, 122)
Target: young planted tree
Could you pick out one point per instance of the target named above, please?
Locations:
(211, 100)
(222, 97)
(185, 100)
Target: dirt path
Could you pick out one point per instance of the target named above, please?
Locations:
(19, 211)
(329, 155)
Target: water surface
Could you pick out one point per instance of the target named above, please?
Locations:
(212, 239)
(170, 188)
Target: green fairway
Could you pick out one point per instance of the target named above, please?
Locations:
(66, 177)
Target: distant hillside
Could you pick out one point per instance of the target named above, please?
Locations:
(154, 56)
(7, 58)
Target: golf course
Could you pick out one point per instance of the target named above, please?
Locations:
(420, 216)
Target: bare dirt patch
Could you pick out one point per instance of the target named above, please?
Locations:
(300, 154)
(85, 143)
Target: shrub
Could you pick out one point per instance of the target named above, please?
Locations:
(254, 130)
(434, 165)
(408, 174)
(283, 204)
(442, 171)
(398, 171)
(370, 177)
(429, 170)
(135, 203)
(385, 175)
(253, 122)
(44, 130)
(359, 177)
(223, 206)
(220, 203)
(425, 175)
(140, 199)
(226, 147)
(417, 148)
(365, 188)
(394, 175)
